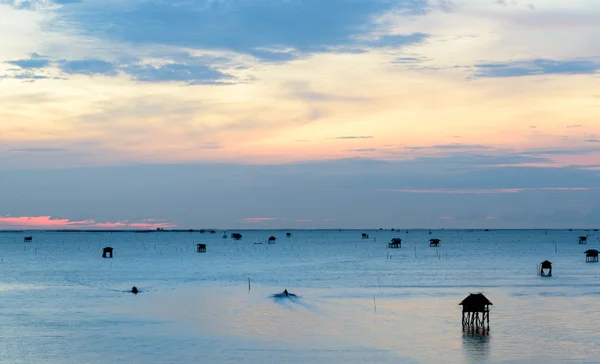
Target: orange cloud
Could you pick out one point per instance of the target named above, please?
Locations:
(48, 222)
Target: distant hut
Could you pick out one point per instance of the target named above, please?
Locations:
(28, 239)
(582, 239)
(591, 256)
(236, 236)
(434, 242)
(546, 269)
(202, 231)
(272, 240)
(474, 305)
(212, 232)
(108, 250)
(365, 236)
(288, 234)
(395, 243)
(200, 248)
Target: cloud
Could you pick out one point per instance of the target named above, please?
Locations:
(538, 66)
(38, 150)
(363, 150)
(49, 222)
(34, 62)
(492, 191)
(89, 67)
(258, 220)
(304, 221)
(191, 74)
(353, 137)
(592, 140)
(261, 28)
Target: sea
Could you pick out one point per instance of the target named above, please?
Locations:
(356, 300)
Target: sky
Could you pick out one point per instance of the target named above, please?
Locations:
(299, 114)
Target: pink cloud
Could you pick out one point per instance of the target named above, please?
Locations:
(304, 220)
(48, 222)
(494, 190)
(446, 217)
(257, 220)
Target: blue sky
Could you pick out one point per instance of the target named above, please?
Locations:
(299, 114)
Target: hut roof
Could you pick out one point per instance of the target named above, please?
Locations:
(433, 240)
(591, 251)
(583, 237)
(396, 240)
(475, 299)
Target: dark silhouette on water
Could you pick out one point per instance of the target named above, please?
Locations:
(474, 305)
(284, 294)
(28, 239)
(272, 240)
(200, 248)
(434, 242)
(365, 235)
(236, 236)
(582, 239)
(395, 243)
(134, 290)
(546, 265)
(108, 250)
(591, 256)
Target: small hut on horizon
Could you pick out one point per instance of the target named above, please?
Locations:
(365, 235)
(108, 250)
(200, 248)
(474, 305)
(434, 242)
(396, 243)
(272, 240)
(546, 269)
(288, 234)
(27, 239)
(591, 256)
(236, 236)
(582, 239)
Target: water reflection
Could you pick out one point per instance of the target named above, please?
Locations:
(476, 344)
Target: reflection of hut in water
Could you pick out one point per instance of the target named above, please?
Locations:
(434, 242)
(272, 240)
(395, 243)
(476, 345)
(236, 236)
(582, 239)
(365, 236)
(108, 250)
(28, 239)
(476, 311)
(591, 256)
(546, 269)
(200, 248)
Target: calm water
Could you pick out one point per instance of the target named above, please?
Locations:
(358, 302)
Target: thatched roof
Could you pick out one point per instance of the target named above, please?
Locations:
(476, 299)
(546, 264)
(591, 252)
(396, 240)
(583, 237)
(434, 240)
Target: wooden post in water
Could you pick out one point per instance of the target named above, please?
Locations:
(248, 284)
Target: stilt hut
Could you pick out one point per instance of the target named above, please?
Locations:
(546, 269)
(28, 239)
(200, 248)
(434, 242)
(476, 312)
(365, 236)
(272, 240)
(236, 236)
(288, 234)
(395, 243)
(108, 250)
(582, 239)
(591, 256)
